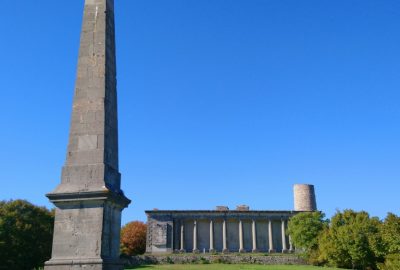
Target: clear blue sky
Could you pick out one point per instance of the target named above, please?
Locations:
(221, 102)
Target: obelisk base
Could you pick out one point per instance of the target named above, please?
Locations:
(86, 231)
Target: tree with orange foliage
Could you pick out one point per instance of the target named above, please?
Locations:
(133, 238)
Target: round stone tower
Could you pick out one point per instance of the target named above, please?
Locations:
(304, 198)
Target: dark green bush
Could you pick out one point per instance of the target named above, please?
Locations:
(25, 235)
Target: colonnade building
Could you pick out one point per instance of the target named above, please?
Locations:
(224, 230)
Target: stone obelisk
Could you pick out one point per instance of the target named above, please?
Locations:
(89, 200)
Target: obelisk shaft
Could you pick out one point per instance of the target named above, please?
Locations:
(92, 155)
(89, 200)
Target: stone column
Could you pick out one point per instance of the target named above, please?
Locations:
(270, 237)
(284, 248)
(182, 237)
(291, 249)
(224, 244)
(241, 249)
(254, 236)
(172, 236)
(211, 236)
(195, 250)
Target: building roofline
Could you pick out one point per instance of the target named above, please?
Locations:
(221, 211)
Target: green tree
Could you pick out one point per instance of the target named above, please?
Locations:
(25, 235)
(304, 229)
(390, 231)
(392, 262)
(352, 241)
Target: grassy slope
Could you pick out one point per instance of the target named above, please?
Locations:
(229, 267)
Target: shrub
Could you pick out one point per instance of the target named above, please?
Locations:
(204, 260)
(169, 260)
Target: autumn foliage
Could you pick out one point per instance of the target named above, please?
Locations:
(133, 238)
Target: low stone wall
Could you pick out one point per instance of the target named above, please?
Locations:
(205, 259)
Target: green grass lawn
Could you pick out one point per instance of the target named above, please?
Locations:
(229, 267)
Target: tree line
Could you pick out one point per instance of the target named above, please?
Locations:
(350, 239)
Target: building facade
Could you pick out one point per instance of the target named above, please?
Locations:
(218, 231)
(224, 230)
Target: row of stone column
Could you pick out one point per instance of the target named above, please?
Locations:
(241, 242)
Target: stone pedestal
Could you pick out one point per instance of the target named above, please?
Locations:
(86, 231)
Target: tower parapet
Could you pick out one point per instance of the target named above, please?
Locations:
(304, 197)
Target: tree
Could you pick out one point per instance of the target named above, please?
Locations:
(304, 229)
(392, 262)
(352, 241)
(25, 235)
(133, 238)
(390, 231)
